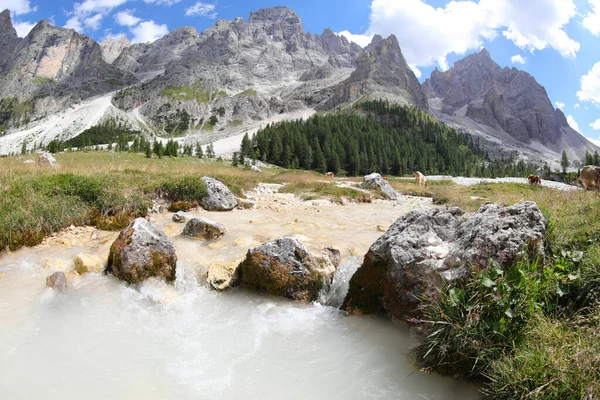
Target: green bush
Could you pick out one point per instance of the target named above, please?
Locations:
(188, 188)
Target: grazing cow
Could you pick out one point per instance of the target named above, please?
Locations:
(534, 180)
(420, 179)
(384, 178)
(330, 175)
(589, 177)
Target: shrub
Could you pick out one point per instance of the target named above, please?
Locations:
(188, 188)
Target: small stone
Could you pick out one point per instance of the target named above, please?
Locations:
(57, 281)
(239, 241)
(223, 276)
(381, 228)
(355, 252)
(179, 217)
(203, 228)
(88, 263)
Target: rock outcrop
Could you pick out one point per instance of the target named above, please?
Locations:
(57, 281)
(219, 197)
(375, 181)
(88, 263)
(141, 252)
(505, 103)
(47, 160)
(427, 248)
(112, 49)
(205, 229)
(284, 267)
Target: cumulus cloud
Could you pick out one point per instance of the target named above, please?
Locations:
(596, 125)
(518, 59)
(361, 40)
(595, 141)
(148, 31)
(572, 123)
(126, 18)
(576, 106)
(559, 104)
(590, 86)
(89, 13)
(201, 9)
(17, 6)
(23, 28)
(592, 18)
(428, 34)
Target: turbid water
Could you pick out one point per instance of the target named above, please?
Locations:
(103, 339)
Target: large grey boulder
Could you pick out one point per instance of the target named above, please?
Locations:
(141, 252)
(47, 160)
(375, 181)
(219, 197)
(205, 229)
(284, 267)
(428, 248)
(58, 281)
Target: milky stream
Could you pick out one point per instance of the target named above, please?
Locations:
(103, 339)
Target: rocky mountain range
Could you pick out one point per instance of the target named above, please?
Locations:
(239, 74)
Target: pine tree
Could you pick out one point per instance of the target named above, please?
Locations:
(234, 159)
(24, 148)
(564, 162)
(148, 151)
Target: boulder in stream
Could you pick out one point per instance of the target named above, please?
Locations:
(223, 276)
(219, 197)
(86, 263)
(141, 251)
(375, 181)
(427, 248)
(179, 217)
(284, 267)
(205, 229)
(58, 281)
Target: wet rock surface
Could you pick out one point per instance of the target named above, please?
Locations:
(88, 263)
(57, 281)
(284, 267)
(426, 248)
(202, 228)
(141, 252)
(179, 217)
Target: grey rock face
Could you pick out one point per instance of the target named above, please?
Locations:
(219, 196)
(57, 281)
(141, 252)
(375, 181)
(382, 73)
(112, 49)
(505, 99)
(47, 160)
(205, 229)
(284, 267)
(50, 69)
(424, 249)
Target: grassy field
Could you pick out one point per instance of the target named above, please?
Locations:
(546, 347)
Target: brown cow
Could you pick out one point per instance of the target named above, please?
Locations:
(420, 179)
(589, 177)
(534, 180)
(330, 175)
(384, 178)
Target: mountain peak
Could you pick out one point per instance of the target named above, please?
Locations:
(275, 14)
(6, 23)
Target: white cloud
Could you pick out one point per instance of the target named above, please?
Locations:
(361, 40)
(572, 123)
(592, 18)
(559, 104)
(89, 13)
(596, 125)
(17, 6)
(162, 2)
(148, 31)
(110, 36)
(23, 28)
(590, 86)
(126, 18)
(427, 34)
(576, 106)
(202, 10)
(416, 70)
(518, 59)
(93, 22)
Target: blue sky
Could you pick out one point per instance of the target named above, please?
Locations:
(557, 41)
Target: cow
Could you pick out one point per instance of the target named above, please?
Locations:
(589, 177)
(384, 178)
(420, 179)
(330, 175)
(534, 180)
